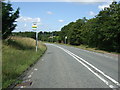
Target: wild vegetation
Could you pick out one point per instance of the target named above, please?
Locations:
(101, 32)
(18, 53)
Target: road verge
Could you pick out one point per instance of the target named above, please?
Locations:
(18, 54)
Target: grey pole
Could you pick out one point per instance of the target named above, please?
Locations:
(35, 23)
(36, 41)
(52, 37)
(65, 40)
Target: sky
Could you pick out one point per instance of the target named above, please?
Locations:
(52, 16)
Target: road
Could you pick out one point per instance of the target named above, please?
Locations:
(70, 67)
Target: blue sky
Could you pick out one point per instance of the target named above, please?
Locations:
(52, 16)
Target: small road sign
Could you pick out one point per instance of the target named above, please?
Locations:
(34, 26)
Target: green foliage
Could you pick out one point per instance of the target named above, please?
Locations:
(25, 34)
(102, 31)
(75, 32)
(108, 20)
(17, 55)
(8, 19)
(66, 31)
(43, 36)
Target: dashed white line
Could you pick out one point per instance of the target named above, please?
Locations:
(29, 76)
(31, 73)
(35, 69)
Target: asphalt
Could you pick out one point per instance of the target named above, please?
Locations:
(57, 69)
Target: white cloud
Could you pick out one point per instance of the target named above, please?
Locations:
(25, 25)
(60, 20)
(28, 19)
(101, 7)
(59, 0)
(49, 12)
(91, 13)
(106, 4)
(84, 0)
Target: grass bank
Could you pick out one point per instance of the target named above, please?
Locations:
(18, 53)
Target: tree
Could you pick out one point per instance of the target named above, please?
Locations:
(75, 32)
(65, 31)
(8, 19)
(108, 19)
(89, 33)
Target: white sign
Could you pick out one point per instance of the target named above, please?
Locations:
(34, 26)
(66, 37)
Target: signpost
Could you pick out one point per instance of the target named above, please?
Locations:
(34, 27)
(65, 39)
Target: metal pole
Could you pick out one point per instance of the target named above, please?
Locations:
(52, 37)
(36, 41)
(65, 40)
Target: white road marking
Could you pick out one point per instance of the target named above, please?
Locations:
(29, 76)
(35, 69)
(31, 73)
(85, 63)
(21, 87)
(100, 54)
(111, 86)
(96, 69)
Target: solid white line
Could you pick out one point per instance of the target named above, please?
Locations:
(96, 69)
(100, 54)
(76, 58)
(117, 83)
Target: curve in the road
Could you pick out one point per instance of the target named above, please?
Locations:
(100, 74)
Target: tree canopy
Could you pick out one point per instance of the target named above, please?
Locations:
(102, 31)
(8, 19)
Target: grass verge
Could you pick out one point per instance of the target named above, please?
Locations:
(18, 53)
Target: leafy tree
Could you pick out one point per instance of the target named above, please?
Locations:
(102, 31)
(65, 31)
(75, 32)
(89, 33)
(108, 20)
(8, 19)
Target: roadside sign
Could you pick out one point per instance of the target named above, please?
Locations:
(66, 37)
(34, 26)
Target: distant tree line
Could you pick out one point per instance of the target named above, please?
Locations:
(43, 36)
(102, 31)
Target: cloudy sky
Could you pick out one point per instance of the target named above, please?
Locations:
(51, 16)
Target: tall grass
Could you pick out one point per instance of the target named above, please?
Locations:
(18, 53)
